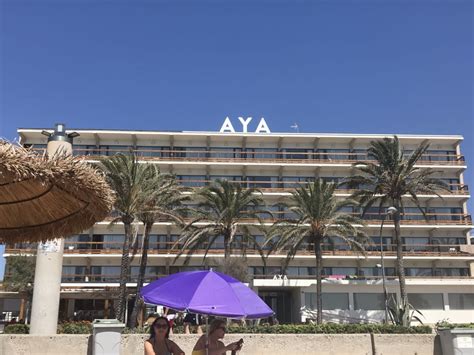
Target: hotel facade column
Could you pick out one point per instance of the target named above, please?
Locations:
(49, 258)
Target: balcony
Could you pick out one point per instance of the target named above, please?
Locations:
(239, 155)
(288, 186)
(333, 249)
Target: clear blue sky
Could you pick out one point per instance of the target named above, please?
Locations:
(331, 66)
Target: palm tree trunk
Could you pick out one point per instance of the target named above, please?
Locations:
(400, 266)
(226, 247)
(137, 306)
(319, 288)
(124, 270)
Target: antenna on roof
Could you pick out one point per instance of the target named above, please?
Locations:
(295, 127)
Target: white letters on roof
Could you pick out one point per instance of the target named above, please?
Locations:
(228, 128)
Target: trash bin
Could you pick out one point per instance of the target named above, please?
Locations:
(457, 341)
(106, 336)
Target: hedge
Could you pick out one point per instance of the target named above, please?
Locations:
(80, 327)
(17, 329)
(325, 328)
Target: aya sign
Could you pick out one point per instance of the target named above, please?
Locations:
(228, 128)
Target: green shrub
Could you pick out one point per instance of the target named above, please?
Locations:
(331, 328)
(325, 328)
(445, 324)
(17, 329)
(81, 327)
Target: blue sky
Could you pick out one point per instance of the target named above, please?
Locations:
(331, 66)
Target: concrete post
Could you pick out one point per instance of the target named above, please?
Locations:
(49, 258)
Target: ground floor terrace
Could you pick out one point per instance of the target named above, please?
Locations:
(344, 300)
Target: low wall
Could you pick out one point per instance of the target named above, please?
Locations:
(254, 344)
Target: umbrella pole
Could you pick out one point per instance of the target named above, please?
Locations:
(207, 335)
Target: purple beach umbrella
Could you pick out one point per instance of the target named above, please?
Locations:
(206, 292)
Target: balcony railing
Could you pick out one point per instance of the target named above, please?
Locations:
(250, 248)
(216, 155)
(369, 218)
(115, 278)
(288, 186)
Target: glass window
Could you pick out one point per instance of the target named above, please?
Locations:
(369, 301)
(225, 152)
(451, 271)
(152, 151)
(191, 180)
(113, 241)
(344, 271)
(426, 300)
(415, 244)
(418, 271)
(297, 153)
(330, 300)
(261, 153)
(461, 300)
(333, 154)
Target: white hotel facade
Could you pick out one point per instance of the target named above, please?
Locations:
(438, 254)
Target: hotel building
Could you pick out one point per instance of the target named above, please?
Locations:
(438, 254)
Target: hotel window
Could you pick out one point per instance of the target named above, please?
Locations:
(226, 177)
(85, 150)
(426, 300)
(260, 182)
(296, 181)
(225, 152)
(290, 153)
(371, 301)
(73, 274)
(81, 241)
(374, 244)
(152, 151)
(332, 154)
(105, 273)
(415, 244)
(446, 244)
(453, 184)
(440, 155)
(344, 271)
(112, 241)
(151, 273)
(452, 271)
(110, 150)
(331, 301)
(192, 180)
(418, 271)
(461, 300)
(190, 152)
(159, 242)
(261, 153)
(375, 271)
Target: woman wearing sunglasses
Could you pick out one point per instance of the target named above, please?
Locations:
(217, 330)
(159, 344)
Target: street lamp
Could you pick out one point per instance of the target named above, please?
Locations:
(390, 211)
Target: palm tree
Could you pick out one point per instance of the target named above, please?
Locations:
(129, 179)
(164, 201)
(222, 207)
(385, 181)
(317, 218)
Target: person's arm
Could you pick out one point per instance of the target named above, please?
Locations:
(175, 349)
(149, 348)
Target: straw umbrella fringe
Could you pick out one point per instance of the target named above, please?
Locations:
(42, 198)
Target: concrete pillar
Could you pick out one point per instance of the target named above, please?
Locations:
(49, 258)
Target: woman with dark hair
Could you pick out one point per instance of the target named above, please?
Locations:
(159, 344)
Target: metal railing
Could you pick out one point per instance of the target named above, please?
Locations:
(216, 155)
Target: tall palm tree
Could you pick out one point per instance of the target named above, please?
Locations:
(129, 179)
(316, 217)
(387, 179)
(163, 202)
(222, 207)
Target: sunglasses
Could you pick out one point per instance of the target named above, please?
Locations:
(161, 326)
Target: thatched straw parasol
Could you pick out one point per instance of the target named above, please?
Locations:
(42, 198)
